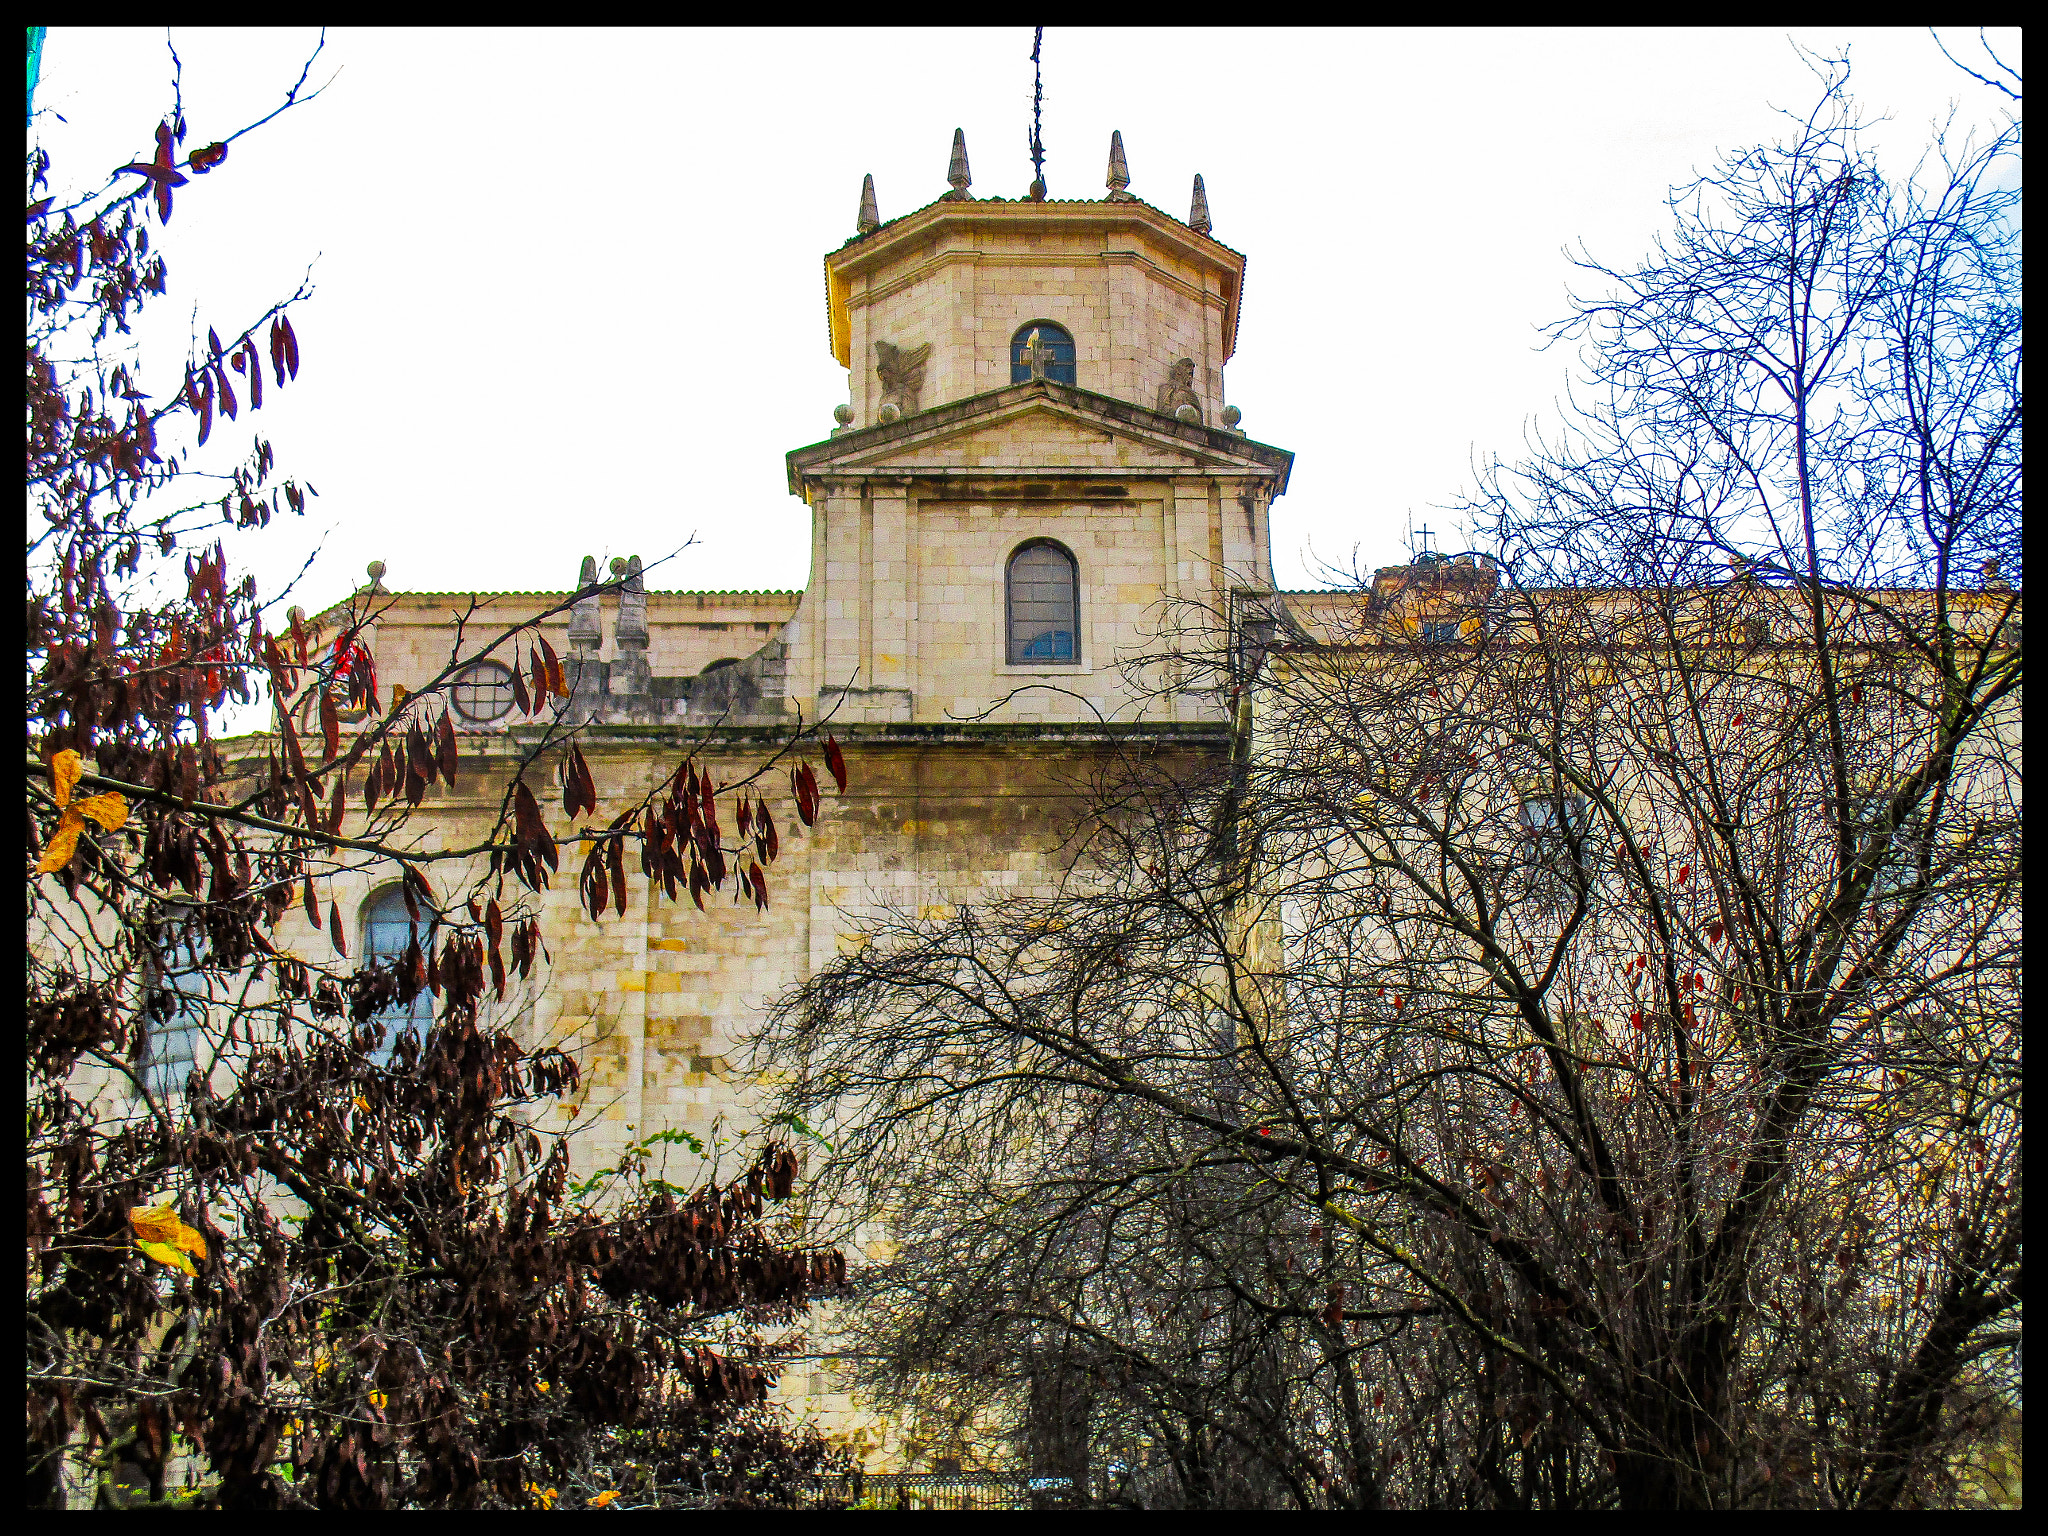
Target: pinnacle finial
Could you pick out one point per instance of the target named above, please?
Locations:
(1198, 214)
(1119, 168)
(956, 173)
(869, 219)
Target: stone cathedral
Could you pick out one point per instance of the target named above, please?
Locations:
(1035, 469)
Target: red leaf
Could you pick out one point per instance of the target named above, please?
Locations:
(556, 683)
(418, 757)
(227, 394)
(540, 678)
(494, 924)
(277, 353)
(334, 927)
(451, 756)
(1684, 873)
(519, 693)
(330, 724)
(774, 843)
(204, 160)
(1636, 1018)
(804, 785)
(760, 882)
(334, 805)
(1737, 721)
(835, 760)
(213, 340)
(1714, 932)
(246, 361)
(291, 346)
(618, 862)
(206, 410)
(312, 905)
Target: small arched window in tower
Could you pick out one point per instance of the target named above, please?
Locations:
(389, 934)
(1055, 352)
(1044, 603)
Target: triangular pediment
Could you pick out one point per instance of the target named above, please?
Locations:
(1036, 429)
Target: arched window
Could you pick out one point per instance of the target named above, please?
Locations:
(387, 934)
(176, 1012)
(1056, 345)
(1043, 591)
(484, 693)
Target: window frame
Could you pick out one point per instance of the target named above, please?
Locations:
(171, 961)
(1022, 334)
(1011, 658)
(420, 1011)
(466, 679)
(1549, 840)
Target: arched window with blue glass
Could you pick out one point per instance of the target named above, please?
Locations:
(388, 934)
(1043, 592)
(175, 1041)
(1041, 350)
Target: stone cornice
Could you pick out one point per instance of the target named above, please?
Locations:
(1100, 412)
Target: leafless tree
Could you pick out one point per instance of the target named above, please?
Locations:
(1569, 1055)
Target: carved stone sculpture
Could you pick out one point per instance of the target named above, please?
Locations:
(1198, 209)
(585, 626)
(631, 630)
(1036, 355)
(870, 218)
(901, 371)
(1119, 170)
(630, 678)
(956, 172)
(1178, 391)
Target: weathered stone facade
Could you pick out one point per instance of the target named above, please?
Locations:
(963, 763)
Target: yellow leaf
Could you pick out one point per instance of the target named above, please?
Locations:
(62, 845)
(65, 769)
(109, 810)
(399, 694)
(544, 1386)
(160, 1224)
(164, 1253)
(378, 1399)
(605, 1500)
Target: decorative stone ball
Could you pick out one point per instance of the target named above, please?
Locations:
(295, 612)
(1188, 414)
(1232, 415)
(890, 412)
(375, 570)
(618, 565)
(843, 414)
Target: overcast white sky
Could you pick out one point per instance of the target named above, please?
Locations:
(569, 297)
